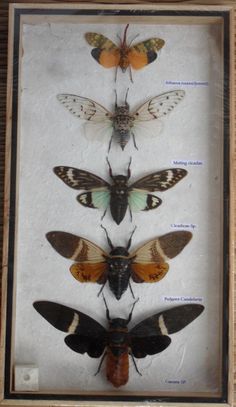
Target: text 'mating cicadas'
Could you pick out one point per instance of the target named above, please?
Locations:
(117, 343)
(121, 124)
(110, 55)
(119, 195)
(147, 264)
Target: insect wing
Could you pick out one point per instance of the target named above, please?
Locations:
(85, 108)
(106, 53)
(160, 181)
(168, 322)
(95, 199)
(79, 179)
(69, 320)
(93, 346)
(75, 248)
(141, 201)
(143, 346)
(148, 273)
(90, 273)
(144, 52)
(161, 249)
(158, 106)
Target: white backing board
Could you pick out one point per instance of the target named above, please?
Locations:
(57, 59)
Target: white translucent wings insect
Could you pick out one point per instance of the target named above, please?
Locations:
(158, 106)
(85, 108)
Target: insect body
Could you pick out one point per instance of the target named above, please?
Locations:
(119, 196)
(122, 123)
(109, 55)
(147, 264)
(149, 337)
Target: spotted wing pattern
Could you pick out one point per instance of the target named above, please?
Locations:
(158, 106)
(84, 108)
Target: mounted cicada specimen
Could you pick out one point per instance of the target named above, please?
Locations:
(122, 124)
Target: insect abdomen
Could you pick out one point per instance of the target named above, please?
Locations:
(118, 204)
(118, 368)
(118, 278)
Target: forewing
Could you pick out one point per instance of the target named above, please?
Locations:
(164, 248)
(99, 41)
(169, 321)
(95, 199)
(79, 179)
(149, 345)
(89, 273)
(158, 106)
(161, 180)
(84, 108)
(93, 346)
(69, 320)
(75, 248)
(141, 201)
(148, 273)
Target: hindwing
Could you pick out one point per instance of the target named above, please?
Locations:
(149, 345)
(90, 273)
(148, 273)
(93, 346)
(141, 201)
(144, 52)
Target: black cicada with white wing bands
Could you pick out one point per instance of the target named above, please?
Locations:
(148, 337)
(122, 123)
(119, 196)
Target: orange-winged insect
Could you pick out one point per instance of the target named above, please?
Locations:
(109, 55)
(147, 264)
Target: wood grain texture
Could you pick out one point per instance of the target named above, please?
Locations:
(3, 91)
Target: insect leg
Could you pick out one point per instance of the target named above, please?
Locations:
(130, 74)
(110, 169)
(116, 73)
(130, 239)
(126, 96)
(100, 364)
(115, 99)
(130, 212)
(134, 141)
(108, 239)
(128, 169)
(104, 214)
(101, 289)
(131, 312)
(131, 354)
(109, 147)
(107, 310)
(131, 291)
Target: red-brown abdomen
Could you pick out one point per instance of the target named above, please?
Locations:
(118, 368)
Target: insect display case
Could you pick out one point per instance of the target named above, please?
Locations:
(117, 253)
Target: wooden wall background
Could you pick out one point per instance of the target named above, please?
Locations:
(3, 90)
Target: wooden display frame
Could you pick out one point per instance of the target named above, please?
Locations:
(7, 307)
